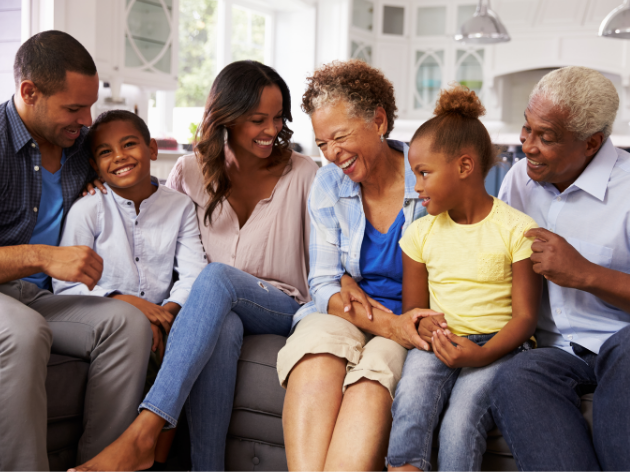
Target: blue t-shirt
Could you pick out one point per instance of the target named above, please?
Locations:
(49, 217)
(381, 264)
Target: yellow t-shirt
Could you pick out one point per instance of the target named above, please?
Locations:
(470, 266)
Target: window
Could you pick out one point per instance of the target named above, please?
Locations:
(249, 30)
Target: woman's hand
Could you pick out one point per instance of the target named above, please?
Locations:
(405, 328)
(465, 353)
(430, 324)
(89, 188)
(351, 292)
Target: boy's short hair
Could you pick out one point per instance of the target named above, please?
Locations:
(47, 56)
(119, 115)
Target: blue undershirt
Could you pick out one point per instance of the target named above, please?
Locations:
(381, 264)
(49, 217)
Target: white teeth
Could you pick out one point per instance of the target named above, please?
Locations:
(348, 163)
(263, 143)
(533, 162)
(124, 169)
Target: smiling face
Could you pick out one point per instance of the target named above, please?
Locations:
(554, 154)
(255, 132)
(58, 118)
(437, 179)
(349, 142)
(121, 156)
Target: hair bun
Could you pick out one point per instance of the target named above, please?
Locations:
(460, 100)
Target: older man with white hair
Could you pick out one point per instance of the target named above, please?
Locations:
(576, 185)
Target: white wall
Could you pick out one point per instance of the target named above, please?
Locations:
(294, 61)
(10, 35)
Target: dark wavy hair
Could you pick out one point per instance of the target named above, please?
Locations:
(236, 91)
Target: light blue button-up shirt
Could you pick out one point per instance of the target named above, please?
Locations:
(593, 215)
(139, 251)
(337, 227)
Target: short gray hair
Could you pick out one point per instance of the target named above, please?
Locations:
(590, 99)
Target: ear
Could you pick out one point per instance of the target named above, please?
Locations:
(29, 92)
(94, 166)
(154, 149)
(380, 120)
(593, 144)
(465, 165)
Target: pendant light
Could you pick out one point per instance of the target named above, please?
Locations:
(484, 27)
(617, 22)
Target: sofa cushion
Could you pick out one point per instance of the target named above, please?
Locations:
(255, 439)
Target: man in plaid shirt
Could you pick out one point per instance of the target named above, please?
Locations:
(43, 169)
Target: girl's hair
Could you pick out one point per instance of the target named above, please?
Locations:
(236, 91)
(456, 126)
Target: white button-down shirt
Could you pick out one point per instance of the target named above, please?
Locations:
(593, 215)
(140, 252)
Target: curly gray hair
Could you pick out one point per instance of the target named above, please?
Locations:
(590, 99)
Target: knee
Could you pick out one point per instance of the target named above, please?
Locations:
(215, 273)
(126, 321)
(317, 372)
(27, 337)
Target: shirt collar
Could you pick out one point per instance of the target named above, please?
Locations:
(128, 204)
(594, 179)
(19, 134)
(21, 137)
(349, 188)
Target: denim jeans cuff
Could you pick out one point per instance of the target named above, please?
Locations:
(419, 463)
(170, 421)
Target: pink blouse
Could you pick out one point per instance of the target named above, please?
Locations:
(273, 243)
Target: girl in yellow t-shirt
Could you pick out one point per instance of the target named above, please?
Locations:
(469, 261)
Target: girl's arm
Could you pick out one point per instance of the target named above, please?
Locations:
(526, 291)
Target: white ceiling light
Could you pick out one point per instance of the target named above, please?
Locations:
(617, 23)
(484, 27)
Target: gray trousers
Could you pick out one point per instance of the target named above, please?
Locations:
(112, 335)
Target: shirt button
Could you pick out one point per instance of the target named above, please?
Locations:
(35, 209)
(558, 310)
(136, 223)
(137, 259)
(33, 145)
(570, 336)
(36, 168)
(256, 460)
(128, 203)
(142, 293)
(559, 198)
(205, 257)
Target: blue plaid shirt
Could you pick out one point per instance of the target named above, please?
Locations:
(337, 227)
(21, 177)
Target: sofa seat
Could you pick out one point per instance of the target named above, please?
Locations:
(255, 439)
(66, 382)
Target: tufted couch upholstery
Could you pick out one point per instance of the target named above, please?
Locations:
(255, 439)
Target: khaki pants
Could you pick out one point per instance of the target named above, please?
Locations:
(112, 335)
(371, 357)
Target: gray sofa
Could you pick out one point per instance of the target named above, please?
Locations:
(255, 439)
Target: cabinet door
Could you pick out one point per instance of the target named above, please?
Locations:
(151, 41)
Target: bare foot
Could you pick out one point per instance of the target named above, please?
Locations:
(133, 450)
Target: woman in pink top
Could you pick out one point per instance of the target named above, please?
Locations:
(251, 191)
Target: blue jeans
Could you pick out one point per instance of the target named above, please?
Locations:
(203, 350)
(426, 389)
(536, 404)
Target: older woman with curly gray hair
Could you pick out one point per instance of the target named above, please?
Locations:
(343, 361)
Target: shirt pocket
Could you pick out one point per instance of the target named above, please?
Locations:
(492, 267)
(600, 255)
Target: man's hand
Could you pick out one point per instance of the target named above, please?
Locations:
(72, 264)
(430, 324)
(464, 354)
(351, 292)
(157, 315)
(90, 187)
(405, 329)
(158, 341)
(556, 259)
